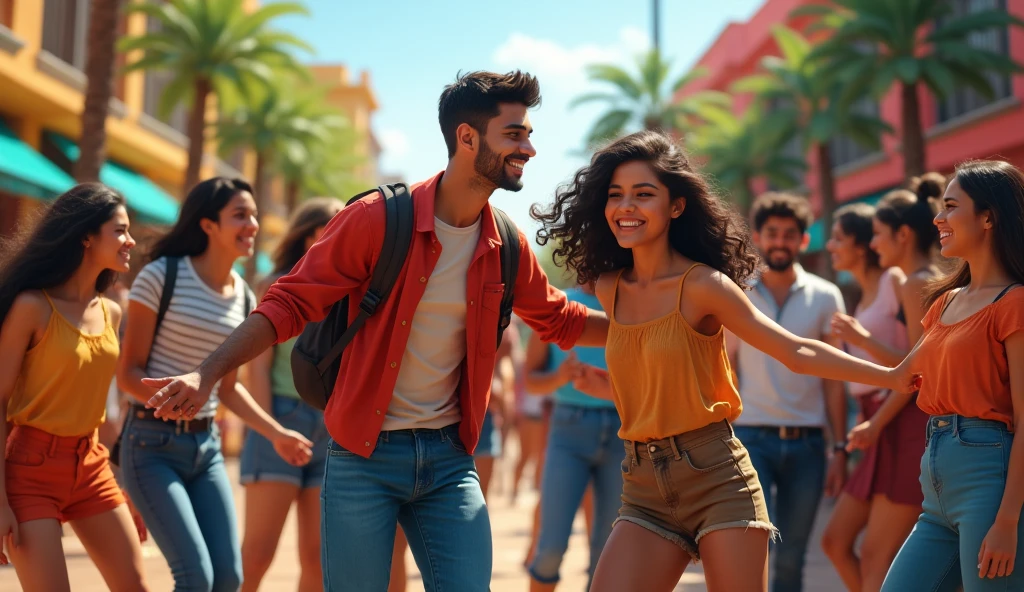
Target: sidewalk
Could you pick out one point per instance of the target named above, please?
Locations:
(511, 535)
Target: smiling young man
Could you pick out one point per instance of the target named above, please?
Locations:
(784, 413)
(407, 410)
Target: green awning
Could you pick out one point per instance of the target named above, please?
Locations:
(817, 230)
(151, 203)
(23, 171)
(263, 264)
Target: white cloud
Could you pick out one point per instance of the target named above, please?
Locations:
(394, 142)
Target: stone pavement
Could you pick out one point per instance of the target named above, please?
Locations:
(511, 531)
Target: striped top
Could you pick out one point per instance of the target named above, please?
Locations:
(198, 320)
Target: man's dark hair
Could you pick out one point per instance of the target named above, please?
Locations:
(474, 98)
(781, 205)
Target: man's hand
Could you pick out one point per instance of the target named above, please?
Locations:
(179, 397)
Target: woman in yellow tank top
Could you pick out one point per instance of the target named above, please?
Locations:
(58, 354)
(668, 258)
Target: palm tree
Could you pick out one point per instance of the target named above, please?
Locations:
(647, 100)
(736, 150)
(808, 104)
(321, 168)
(99, 70)
(877, 43)
(212, 47)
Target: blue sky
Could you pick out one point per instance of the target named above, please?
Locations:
(412, 48)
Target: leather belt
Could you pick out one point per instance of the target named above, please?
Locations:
(793, 432)
(190, 426)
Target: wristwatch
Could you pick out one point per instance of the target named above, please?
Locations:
(839, 447)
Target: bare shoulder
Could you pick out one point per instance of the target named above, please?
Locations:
(115, 310)
(913, 285)
(705, 281)
(605, 287)
(31, 309)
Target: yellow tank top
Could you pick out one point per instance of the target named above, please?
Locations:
(62, 388)
(666, 377)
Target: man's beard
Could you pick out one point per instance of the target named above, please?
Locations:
(491, 166)
(779, 264)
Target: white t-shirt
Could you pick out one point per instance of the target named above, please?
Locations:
(425, 394)
(197, 321)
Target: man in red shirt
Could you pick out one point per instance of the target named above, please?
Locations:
(406, 412)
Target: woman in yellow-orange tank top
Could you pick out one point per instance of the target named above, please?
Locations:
(58, 354)
(668, 257)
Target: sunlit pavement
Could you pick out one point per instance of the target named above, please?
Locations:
(511, 531)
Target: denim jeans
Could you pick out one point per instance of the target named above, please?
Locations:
(583, 448)
(792, 474)
(422, 479)
(261, 462)
(963, 474)
(180, 487)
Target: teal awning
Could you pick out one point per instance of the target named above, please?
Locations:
(23, 171)
(151, 203)
(817, 230)
(263, 265)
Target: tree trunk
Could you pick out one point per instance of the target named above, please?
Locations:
(196, 133)
(827, 188)
(261, 201)
(913, 132)
(291, 193)
(99, 69)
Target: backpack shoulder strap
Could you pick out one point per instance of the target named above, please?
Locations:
(509, 265)
(170, 278)
(398, 230)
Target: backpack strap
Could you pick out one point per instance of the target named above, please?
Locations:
(170, 279)
(509, 266)
(398, 230)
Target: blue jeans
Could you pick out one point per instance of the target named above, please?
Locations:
(260, 462)
(180, 487)
(963, 475)
(422, 479)
(796, 469)
(490, 438)
(583, 448)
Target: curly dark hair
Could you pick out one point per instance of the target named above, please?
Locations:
(777, 204)
(708, 231)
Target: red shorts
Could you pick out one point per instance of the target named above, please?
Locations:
(64, 478)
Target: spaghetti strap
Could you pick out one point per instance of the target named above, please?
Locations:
(682, 280)
(106, 314)
(47, 296)
(615, 295)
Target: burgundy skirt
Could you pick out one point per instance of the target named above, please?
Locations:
(892, 467)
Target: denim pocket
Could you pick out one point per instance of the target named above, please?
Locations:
(455, 442)
(335, 449)
(979, 436)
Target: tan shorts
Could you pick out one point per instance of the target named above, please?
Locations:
(688, 485)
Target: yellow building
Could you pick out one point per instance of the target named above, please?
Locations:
(358, 103)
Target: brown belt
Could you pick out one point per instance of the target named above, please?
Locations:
(190, 426)
(791, 432)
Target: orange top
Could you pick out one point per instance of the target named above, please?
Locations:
(64, 379)
(964, 364)
(666, 377)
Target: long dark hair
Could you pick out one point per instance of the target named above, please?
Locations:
(855, 221)
(708, 231)
(312, 214)
(205, 201)
(49, 255)
(914, 208)
(995, 187)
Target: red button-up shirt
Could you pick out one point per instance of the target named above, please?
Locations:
(340, 264)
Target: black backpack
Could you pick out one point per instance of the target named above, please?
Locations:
(316, 357)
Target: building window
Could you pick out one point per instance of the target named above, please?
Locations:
(965, 99)
(844, 149)
(65, 28)
(155, 83)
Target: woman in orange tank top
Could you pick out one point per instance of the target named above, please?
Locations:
(669, 257)
(58, 354)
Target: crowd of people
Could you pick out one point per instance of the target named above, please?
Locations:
(689, 396)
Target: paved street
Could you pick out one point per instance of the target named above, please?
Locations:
(511, 531)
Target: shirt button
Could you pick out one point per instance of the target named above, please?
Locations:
(423, 280)
(367, 444)
(403, 323)
(393, 364)
(471, 302)
(378, 412)
(433, 250)
(653, 448)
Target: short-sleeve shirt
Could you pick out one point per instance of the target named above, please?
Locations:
(772, 394)
(964, 365)
(197, 322)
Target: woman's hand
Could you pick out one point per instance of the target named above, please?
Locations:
(570, 368)
(849, 329)
(862, 436)
(8, 530)
(140, 524)
(998, 550)
(293, 447)
(903, 380)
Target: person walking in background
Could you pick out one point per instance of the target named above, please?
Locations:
(970, 532)
(668, 259)
(272, 485)
(882, 498)
(58, 354)
(174, 470)
(784, 412)
(584, 452)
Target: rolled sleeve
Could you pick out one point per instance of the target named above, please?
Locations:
(335, 266)
(544, 308)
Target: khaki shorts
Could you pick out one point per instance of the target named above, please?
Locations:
(686, 486)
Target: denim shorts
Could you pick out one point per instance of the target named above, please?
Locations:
(259, 460)
(490, 438)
